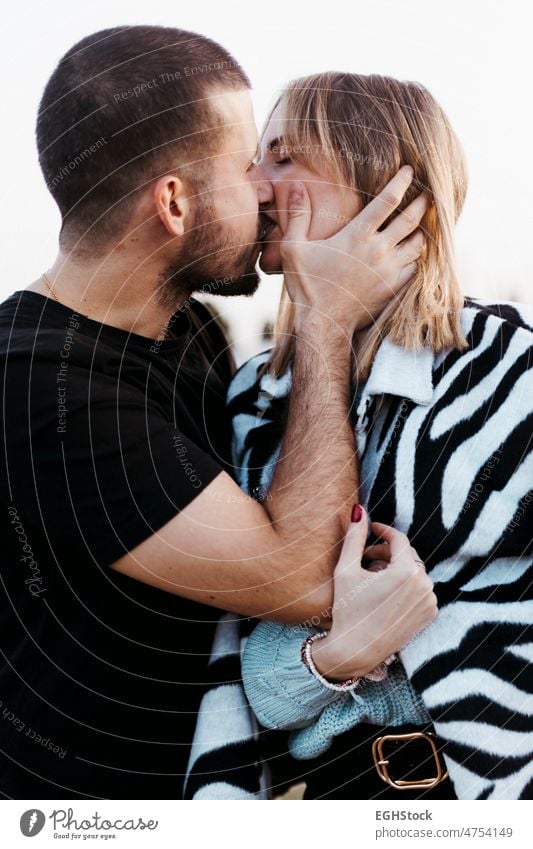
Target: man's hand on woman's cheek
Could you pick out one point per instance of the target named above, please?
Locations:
(350, 277)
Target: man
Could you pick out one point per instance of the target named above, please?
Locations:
(123, 528)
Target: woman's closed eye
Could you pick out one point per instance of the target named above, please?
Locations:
(279, 152)
(283, 155)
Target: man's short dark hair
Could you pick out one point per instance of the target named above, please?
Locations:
(122, 106)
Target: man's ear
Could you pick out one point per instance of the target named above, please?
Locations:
(172, 203)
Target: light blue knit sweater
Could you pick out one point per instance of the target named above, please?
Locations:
(285, 694)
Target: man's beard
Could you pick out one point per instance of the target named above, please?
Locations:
(209, 261)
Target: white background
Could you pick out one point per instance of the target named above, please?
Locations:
(475, 57)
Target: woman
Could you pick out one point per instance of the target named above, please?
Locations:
(443, 402)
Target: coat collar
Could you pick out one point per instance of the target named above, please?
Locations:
(395, 371)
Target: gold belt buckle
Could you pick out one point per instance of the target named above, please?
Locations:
(381, 763)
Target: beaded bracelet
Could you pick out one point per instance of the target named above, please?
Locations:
(379, 673)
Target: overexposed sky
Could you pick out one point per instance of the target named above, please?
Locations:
(474, 56)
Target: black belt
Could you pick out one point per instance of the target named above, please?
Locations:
(369, 762)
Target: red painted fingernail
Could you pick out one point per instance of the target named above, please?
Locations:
(357, 513)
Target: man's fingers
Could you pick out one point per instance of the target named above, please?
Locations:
(408, 220)
(412, 248)
(299, 214)
(378, 210)
(406, 274)
(409, 253)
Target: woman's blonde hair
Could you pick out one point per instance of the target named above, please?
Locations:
(360, 130)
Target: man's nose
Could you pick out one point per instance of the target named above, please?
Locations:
(264, 186)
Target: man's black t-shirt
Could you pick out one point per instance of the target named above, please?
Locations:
(106, 436)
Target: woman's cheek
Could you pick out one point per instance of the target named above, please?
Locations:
(322, 224)
(325, 206)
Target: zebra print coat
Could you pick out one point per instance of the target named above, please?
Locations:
(446, 448)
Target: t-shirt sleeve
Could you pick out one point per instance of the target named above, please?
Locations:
(123, 476)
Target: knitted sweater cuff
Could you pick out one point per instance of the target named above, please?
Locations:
(280, 688)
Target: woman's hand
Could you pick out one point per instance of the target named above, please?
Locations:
(376, 611)
(350, 277)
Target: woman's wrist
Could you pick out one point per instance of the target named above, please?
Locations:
(345, 685)
(334, 663)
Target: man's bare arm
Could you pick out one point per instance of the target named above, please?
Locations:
(276, 560)
(316, 477)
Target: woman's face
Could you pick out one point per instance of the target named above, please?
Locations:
(332, 206)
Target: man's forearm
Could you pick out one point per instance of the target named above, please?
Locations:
(273, 560)
(316, 478)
